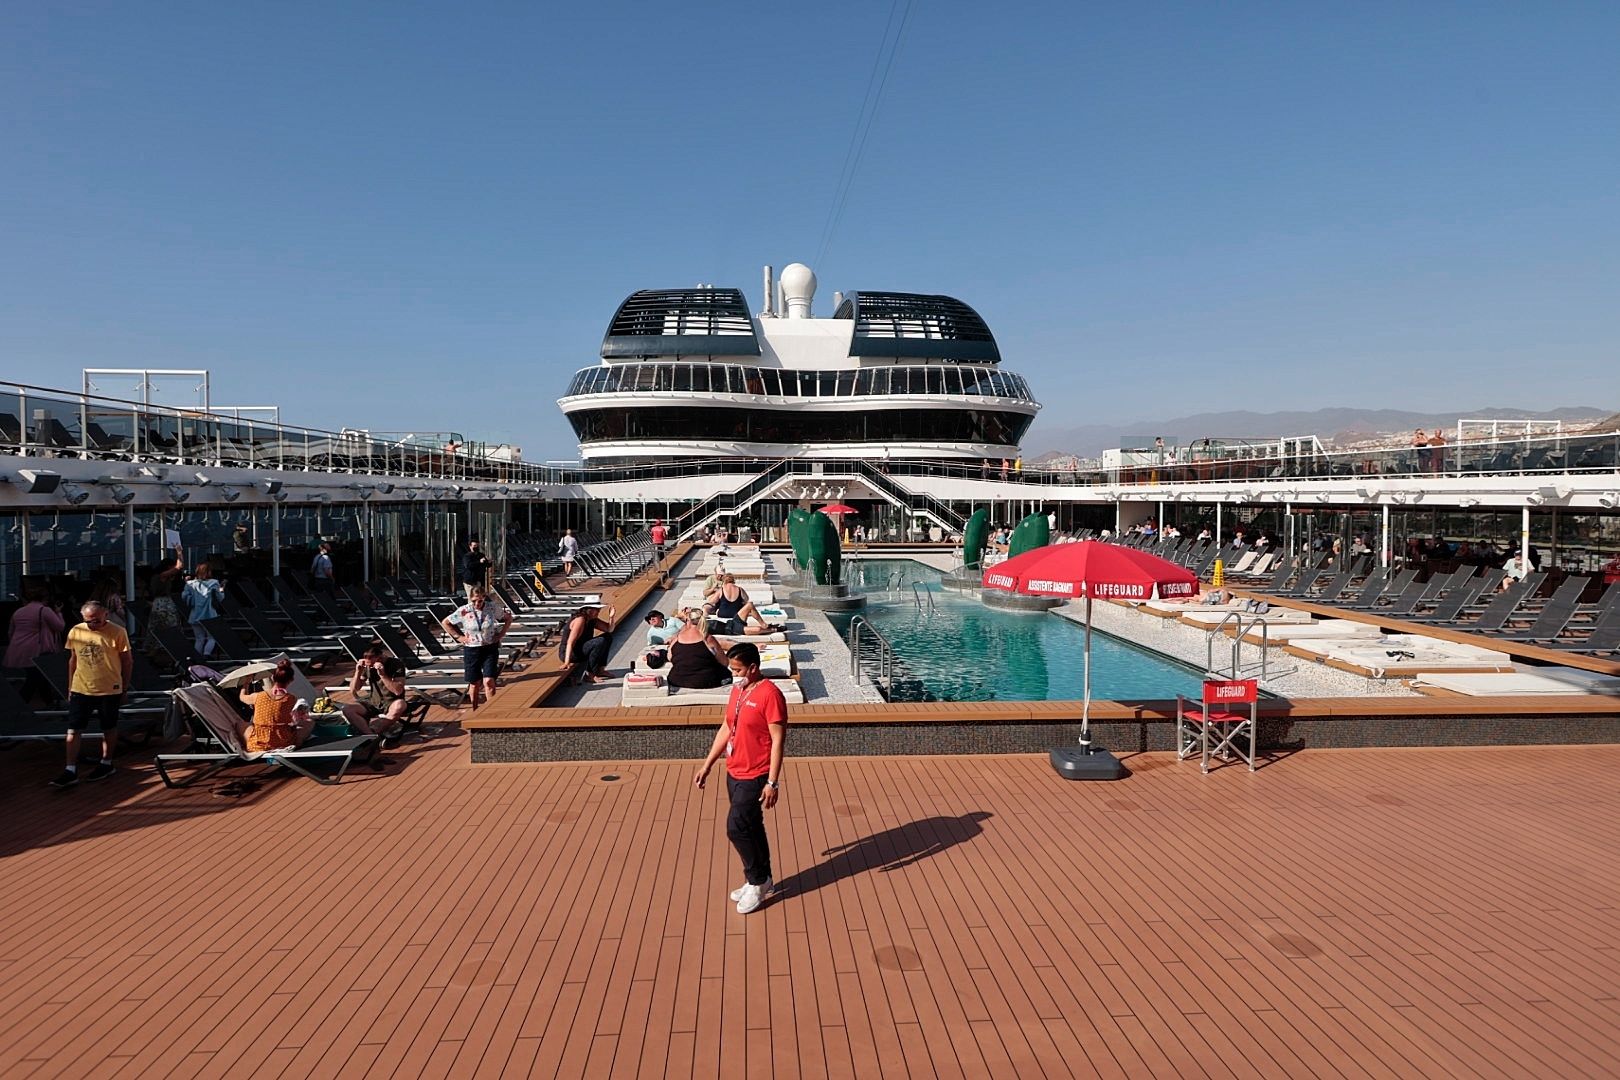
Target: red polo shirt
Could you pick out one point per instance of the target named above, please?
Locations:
(749, 714)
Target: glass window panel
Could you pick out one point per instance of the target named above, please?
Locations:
(863, 381)
(829, 383)
(936, 381)
(772, 378)
(846, 383)
(682, 378)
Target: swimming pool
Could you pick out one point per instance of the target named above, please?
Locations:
(960, 650)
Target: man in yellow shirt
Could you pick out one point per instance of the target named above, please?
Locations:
(99, 669)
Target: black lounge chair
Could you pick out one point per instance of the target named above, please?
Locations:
(1455, 601)
(21, 722)
(1389, 586)
(1495, 614)
(233, 649)
(213, 723)
(1557, 615)
(266, 630)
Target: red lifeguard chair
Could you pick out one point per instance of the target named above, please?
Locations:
(1229, 712)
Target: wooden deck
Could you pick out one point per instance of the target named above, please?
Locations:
(1338, 913)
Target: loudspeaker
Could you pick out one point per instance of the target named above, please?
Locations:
(40, 481)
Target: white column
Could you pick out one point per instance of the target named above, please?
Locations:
(1288, 515)
(1219, 540)
(1524, 536)
(365, 543)
(1119, 515)
(23, 517)
(1161, 519)
(275, 538)
(1383, 547)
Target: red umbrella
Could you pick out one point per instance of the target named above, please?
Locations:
(839, 508)
(1090, 569)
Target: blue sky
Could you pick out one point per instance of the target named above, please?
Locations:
(421, 216)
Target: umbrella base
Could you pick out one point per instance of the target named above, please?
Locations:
(1079, 763)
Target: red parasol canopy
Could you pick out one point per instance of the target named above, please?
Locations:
(1090, 569)
(839, 508)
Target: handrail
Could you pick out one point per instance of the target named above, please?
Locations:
(885, 656)
(1239, 632)
(918, 592)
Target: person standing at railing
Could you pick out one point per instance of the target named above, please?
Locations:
(1437, 451)
(1421, 442)
(474, 568)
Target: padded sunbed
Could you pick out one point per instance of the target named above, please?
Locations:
(1551, 682)
(1341, 629)
(775, 660)
(1207, 618)
(639, 695)
(1398, 655)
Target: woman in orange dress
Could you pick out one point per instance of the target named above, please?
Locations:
(279, 719)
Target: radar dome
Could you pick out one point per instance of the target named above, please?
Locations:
(798, 288)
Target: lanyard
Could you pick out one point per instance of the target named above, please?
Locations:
(742, 699)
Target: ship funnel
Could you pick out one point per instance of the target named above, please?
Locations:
(798, 289)
(770, 297)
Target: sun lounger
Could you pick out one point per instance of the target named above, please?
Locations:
(638, 693)
(214, 721)
(1324, 629)
(1557, 615)
(1210, 618)
(1389, 586)
(20, 721)
(1522, 682)
(1398, 655)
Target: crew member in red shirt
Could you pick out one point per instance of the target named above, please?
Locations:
(752, 736)
(659, 534)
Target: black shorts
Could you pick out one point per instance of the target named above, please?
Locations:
(85, 711)
(480, 662)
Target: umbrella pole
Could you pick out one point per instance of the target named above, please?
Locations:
(1085, 707)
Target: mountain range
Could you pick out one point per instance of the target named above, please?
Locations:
(1088, 440)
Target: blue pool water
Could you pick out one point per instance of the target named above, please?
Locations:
(965, 651)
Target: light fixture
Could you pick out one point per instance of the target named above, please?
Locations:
(386, 488)
(411, 494)
(364, 491)
(39, 481)
(457, 488)
(271, 487)
(1609, 499)
(1535, 498)
(504, 490)
(1468, 501)
(1324, 496)
(203, 479)
(1399, 497)
(230, 494)
(1366, 493)
(319, 496)
(278, 496)
(73, 493)
(152, 472)
(178, 494)
(121, 494)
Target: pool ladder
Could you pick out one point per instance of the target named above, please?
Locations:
(922, 594)
(1238, 669)
(884, 659)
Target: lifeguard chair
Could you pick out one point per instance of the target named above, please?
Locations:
(1218, 725)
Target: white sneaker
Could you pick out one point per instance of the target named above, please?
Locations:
(753, 896)
(737, 893)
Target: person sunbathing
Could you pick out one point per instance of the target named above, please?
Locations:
(696, 660)
(731, 611)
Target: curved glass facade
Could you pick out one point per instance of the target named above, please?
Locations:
(696, 423)
(956, 380)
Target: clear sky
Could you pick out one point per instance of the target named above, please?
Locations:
(421, 216)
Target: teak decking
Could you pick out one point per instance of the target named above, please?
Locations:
(1338, 913)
